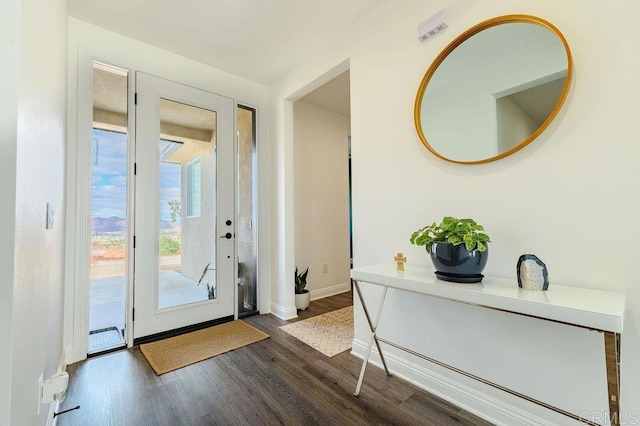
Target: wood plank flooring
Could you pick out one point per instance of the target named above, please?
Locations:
(278, 381)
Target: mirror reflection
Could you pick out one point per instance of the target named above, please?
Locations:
(493, 89)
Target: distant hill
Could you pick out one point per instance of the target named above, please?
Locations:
(108, 224)
(167, 224)
(118, 224)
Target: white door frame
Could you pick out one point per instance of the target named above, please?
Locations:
(86, 44)
(78, 217)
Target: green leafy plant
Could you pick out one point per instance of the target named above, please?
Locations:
(301, 280)
(168, 246)
(454, 231)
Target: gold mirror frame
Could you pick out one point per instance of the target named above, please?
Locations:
(461, 39)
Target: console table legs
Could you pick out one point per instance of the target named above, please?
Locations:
(612, 356)
(372, 337)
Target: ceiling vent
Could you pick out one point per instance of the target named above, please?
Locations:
(432, 26)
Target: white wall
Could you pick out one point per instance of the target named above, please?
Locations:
(321, 180)
(566, 197)
(88, 42)
(9, 51)
(196, 250)
(33, 139)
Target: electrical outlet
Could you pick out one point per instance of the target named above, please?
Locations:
(325, 268)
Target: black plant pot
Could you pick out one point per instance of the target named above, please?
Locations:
(456, 263)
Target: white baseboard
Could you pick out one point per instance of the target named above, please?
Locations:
(482, 400)
(287, 313)
(284, 313)
(330, 291)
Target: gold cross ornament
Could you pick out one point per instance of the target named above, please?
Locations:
(400, 260)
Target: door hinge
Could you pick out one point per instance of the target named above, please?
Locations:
(133, 314)
(135, 98)
(135, 169)
(134, 241)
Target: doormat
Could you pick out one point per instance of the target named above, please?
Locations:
(330, 333)
(179, 351)
(104, 338)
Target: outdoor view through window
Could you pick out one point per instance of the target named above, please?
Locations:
(184, 208)
(108, 209)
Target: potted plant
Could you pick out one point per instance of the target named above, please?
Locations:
(302, 294)
(458, 248)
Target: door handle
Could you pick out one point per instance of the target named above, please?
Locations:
(228, 236)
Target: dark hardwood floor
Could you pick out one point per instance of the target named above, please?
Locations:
(278, 381)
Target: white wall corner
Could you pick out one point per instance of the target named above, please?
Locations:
(330, 291)
(470, 399)
(283, 312)
(53, 408)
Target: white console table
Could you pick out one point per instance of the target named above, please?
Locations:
(592, 309)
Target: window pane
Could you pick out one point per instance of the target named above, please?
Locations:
(109, 144)
(246, 211)
(187, 182)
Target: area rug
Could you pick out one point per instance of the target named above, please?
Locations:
(330, 333)
(179, 351)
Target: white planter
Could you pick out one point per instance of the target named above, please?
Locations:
(302, 300)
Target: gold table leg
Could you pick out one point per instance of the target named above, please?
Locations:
(612, 355)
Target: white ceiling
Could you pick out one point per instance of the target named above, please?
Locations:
(256, 39)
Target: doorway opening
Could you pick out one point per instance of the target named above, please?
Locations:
(183, 192)
(321, 189)
(109, 220)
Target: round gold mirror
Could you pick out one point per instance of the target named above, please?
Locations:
(493, 89)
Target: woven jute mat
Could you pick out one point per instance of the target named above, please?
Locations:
(179, 351)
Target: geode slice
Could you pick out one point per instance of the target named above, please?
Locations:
(532, 273)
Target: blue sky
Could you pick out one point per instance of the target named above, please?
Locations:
(109, 178)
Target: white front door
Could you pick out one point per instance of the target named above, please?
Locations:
(184, 207)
